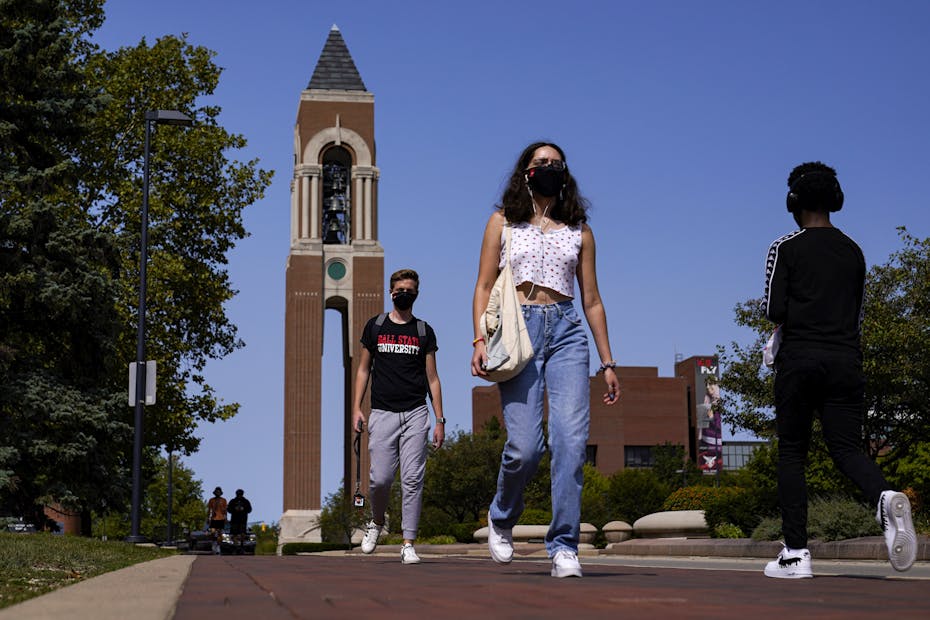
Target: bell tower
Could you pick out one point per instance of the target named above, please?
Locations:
(335, 262)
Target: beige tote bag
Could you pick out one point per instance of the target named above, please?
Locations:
(508, 343)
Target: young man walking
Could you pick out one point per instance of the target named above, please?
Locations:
(399, 356)
(815, 280)
(216, 518)
(239, 508)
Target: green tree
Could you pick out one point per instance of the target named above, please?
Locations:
(595, 497)
(634, 493)
(896, 351)
(339, 518)
(188, 511)
(672, 467)
(896, 362)
(60, 427)
(71, 155)
(196, 201)
(461, 477)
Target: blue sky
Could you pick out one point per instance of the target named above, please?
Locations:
(680, 120)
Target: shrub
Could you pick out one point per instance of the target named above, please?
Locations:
(535, 516)
(633, 493)
(741, 507)
(464, 532)
(828, 519)
(840, 518)
(594, 503)
(769, 528)
(693, 498)
(727, 530)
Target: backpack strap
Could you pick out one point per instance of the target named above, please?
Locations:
(421, 332)
(421, 329)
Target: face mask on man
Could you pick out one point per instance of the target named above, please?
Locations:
(403, 300)
(545, 180)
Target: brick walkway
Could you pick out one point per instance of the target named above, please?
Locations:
(354, 586)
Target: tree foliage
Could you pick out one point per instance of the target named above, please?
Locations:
(71, 161)
(896, 350)
(196, 200)
(188, 505)
(896, 358)
(461, 478)
(59, 426)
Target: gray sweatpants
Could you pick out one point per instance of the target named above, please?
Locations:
(398, 437)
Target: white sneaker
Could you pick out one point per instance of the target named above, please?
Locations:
(790, 564)
(372, 532)
(408, 555)
(894, 515)
(565, 564)
(500, 543)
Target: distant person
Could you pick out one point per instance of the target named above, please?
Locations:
(216, 518)
(552, 246)
(399, 357)
(815, 280)
(239, 509)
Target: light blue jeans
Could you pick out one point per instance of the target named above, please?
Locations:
(560, 368)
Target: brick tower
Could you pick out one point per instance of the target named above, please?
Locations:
(335, 262)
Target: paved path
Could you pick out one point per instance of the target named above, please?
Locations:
(665, 579)
(462, 587)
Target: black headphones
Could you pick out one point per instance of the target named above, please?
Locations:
(794, 201)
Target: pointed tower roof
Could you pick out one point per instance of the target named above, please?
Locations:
(335, 70)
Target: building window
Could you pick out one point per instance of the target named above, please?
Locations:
(637, 456)
(736, 455)
(590, 455)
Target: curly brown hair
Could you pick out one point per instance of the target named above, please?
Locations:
(517, 205)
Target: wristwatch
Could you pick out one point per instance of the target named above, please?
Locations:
(440, 420)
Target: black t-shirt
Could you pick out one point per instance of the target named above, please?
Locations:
(815, 279)
(398, 381)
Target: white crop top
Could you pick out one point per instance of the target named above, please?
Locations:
(545, 259)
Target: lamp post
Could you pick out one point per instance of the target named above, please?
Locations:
(160, 117)
(170, 538)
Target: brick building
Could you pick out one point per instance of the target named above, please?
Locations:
(652, 410)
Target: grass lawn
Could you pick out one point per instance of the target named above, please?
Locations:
(33, 564)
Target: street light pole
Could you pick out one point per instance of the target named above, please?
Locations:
(170, 538)
(163, 117)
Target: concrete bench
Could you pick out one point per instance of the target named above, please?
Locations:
(617, 531)
(537, 533)
(672, 524)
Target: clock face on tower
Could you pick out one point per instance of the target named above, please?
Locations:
(336, 270)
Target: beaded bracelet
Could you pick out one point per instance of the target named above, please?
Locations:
(606, 365)
(477, 340)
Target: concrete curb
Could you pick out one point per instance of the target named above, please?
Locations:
(146, 591)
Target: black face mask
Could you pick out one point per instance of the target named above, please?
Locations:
(404, 300)
(545, 180)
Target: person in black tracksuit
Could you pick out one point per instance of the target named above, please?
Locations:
(814, 292)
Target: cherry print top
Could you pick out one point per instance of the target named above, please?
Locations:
(543, 258)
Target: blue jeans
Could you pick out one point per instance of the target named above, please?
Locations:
(560, 368)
